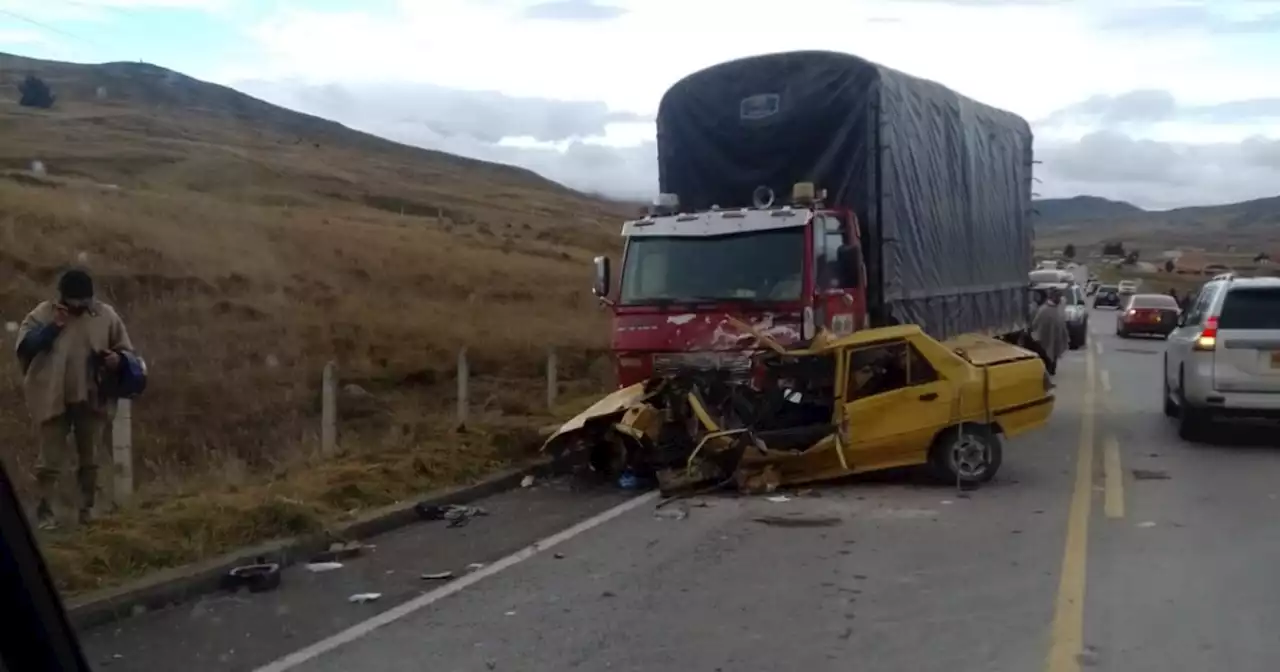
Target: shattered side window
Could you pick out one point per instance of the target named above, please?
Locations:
(881, 368)
(921, 371)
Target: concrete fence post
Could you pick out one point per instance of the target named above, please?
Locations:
(464, 380)
(329, 410)
(553, 385)
(122, 453)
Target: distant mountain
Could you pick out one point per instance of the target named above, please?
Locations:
(1090, 220)
(1079, 208)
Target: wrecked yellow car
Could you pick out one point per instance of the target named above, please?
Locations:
(877, 399)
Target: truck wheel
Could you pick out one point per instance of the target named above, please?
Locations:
(969, 453)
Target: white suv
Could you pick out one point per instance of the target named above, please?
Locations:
(1223, 359)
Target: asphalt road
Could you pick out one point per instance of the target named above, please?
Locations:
(1067, 561)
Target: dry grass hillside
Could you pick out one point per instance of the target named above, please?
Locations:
(246, 245)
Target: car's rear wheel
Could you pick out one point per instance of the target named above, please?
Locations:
(969, 453)
(1192, 421)
(1170, 408)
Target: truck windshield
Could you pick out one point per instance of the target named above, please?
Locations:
(761, 266)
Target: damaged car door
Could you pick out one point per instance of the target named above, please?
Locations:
(895, 402)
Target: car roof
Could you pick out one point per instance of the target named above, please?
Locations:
(1254, 282)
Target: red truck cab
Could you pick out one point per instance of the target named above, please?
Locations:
(787, 270)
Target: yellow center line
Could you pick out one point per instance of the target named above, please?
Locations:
(1066, 638)
(1114, 479)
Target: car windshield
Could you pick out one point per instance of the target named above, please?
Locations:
(1157, 301)
(763, 265)
(1251, 308)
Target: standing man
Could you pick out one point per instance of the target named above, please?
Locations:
(1049, 330)
(63, 348)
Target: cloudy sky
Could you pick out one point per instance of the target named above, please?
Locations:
(1160, 102)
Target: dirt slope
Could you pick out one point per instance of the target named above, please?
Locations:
(246, 245)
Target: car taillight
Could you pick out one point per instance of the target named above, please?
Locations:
(1208, 338)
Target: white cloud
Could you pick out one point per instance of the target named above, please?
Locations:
(20, 37)
(421, 74)
(568, 87)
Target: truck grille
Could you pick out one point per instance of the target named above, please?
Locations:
(736, 364)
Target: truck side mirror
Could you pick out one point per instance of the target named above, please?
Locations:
(601, 286)
(849, 259)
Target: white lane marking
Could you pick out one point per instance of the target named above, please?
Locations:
(426, 599)
(1106, 381)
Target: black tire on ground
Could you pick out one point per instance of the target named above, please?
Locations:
(1170, 408)
(969, 453)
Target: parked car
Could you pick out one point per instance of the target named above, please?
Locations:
(1223, 358)
(1106, 295)
(1148, 315)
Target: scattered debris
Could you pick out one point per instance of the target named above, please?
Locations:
(257, 578)
(527, 481)
(362, 598)
(318, 567)
(808, 492)
(510, 613)
(474, 566)
(673, 513)
(1150, 475)
(458, 515)
(778, 499)
(437, 576)
(947, 502)
(558, 556)
(1148, 523)
(340, 550)
(11, 327)
(798, 521)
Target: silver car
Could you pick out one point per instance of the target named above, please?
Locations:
(1223, 358)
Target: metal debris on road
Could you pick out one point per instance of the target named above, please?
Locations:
(458, 515)
(1150, 475)
(257, 578)
(474, 566)
(527, 481)
(437, 576)
(318, 567)
(778, 499)
(362, 598)
(340, 550)
(798, 521)
(673, 513)
(1148, 523)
